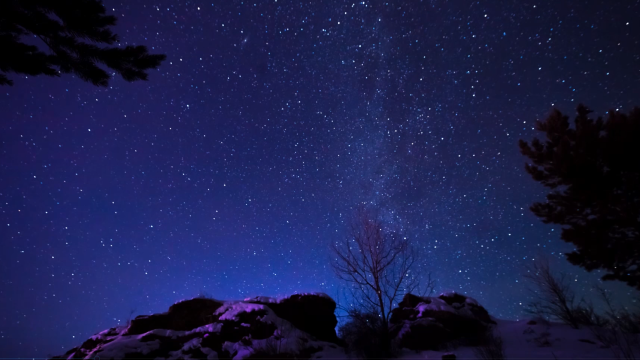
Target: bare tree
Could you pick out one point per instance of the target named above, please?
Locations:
(553, 296)
(618, 329)
(376, 262)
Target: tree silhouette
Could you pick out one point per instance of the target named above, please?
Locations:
(72, 30)
(378, 264)
(593, 170)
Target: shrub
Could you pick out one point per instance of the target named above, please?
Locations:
(366, 337)
(553, 297)
(618, 329)
(491, 349)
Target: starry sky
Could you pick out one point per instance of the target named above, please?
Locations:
(236, 165)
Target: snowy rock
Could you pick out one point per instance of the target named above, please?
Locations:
(184, 315)
(428, 323)
(312, 313)
(209, 329)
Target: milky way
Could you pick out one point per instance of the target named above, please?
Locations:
(236, 165)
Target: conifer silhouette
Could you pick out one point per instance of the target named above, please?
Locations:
(593, 171)
(77, 35)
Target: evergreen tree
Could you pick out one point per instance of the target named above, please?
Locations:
(593, 171)
(76, 33)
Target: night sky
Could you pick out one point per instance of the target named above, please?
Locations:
(238, 163)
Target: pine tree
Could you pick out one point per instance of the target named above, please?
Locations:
(76, 34)
(593, 171)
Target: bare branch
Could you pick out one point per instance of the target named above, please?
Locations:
(553, 296)
(376, 262)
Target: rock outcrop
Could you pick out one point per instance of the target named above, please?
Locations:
(300, 326)
(312, 313)
(428, 323)
(184, 315)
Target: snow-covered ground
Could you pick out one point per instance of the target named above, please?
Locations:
(539, 341)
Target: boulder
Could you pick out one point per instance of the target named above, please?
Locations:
(183, 315)
(312, 313)
(428, 323)
(293, 327)
(478, 311)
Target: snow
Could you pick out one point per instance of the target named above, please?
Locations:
(541, 340)
(105, 334)
(242, 351)
(119, 347)
(162, 332)
(211, 354)
(230, 310)
(209, 328)
(472, 301)
(519, 343)
(329, 351)
(289, 340)
(191, 344)
(435, 305)
(264, 299)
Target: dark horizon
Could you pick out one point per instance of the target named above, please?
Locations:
(232, 169)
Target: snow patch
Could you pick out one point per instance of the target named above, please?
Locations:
(435, 305)
(121, 346)
(209, 328)
(471, 301)
(519, 343)
(163, 333)
(189, 345)
(211, 354)
(264, 299)
(230, 310)
(238, 350)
